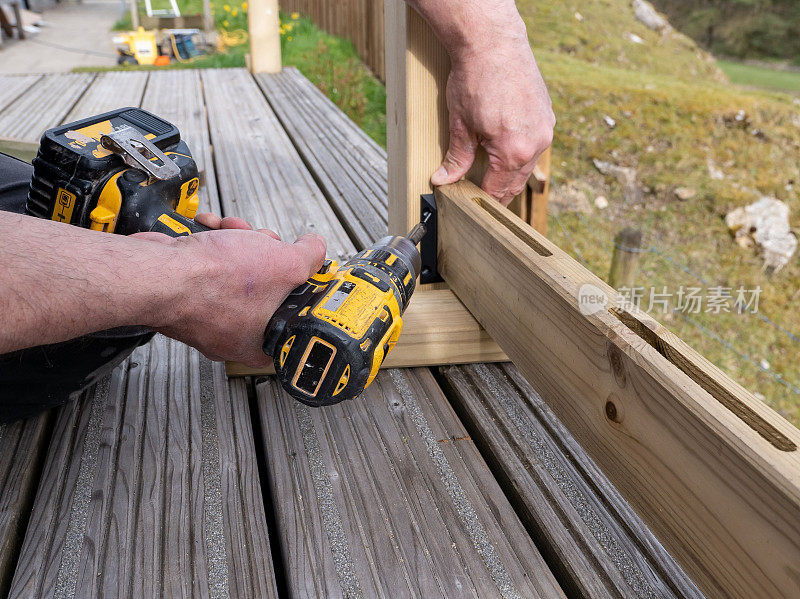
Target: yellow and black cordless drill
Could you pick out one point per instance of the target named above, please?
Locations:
(128, 171)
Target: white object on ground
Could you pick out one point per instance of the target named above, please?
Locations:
(765, 225)
(645, 13)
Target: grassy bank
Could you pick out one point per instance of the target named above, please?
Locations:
(761, 76)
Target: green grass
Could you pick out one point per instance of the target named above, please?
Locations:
(760, 76)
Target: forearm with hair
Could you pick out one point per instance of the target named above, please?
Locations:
(58, 282)
(464, 26)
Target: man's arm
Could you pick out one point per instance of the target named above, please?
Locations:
(495, 94)
(215, 291)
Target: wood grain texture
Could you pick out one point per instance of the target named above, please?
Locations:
(150, 489)
(320, 132)
(107, 92)
(14, 86)
(588, 532)
(437, 329)
(261, 177)
(386, 496)
(712, 470)
(546, 493)
(417, 131)
(43, 105)
(265, 40)
(22, 447)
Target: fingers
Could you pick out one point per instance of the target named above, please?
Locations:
(460, 155)
(271, 233)
(504, 184)
(208, 219)
(212, 221)
(311, 253)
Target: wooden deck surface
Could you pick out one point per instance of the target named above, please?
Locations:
(167, 480)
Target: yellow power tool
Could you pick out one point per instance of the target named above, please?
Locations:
(331, 335)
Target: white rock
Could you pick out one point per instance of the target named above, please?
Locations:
(601, 202)
(632, 37)
(645, 12)
(609, 121)
(764, 364)
(714, 171)
(765, 225)
(685, 193)
(578, 16)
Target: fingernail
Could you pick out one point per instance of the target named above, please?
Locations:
(440, 176)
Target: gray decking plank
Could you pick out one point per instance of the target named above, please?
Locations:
(386, 496)
(107, 92)
(368, 502)
(43, 105)
(12, 87)
(22, 446)
(260, 175)
(318, 129)
(588, 532)
(150, 486)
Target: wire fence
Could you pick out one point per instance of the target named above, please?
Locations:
(679, 265)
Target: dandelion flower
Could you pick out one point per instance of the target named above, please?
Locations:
(295, 15)
(289, 38)
(244, 6)
(225, 23)
(227, 7)
(234, 12)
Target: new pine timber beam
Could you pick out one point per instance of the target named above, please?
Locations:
(437, 329)
(712, 470)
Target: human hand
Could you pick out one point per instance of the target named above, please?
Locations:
(497, 99)
(235, 280)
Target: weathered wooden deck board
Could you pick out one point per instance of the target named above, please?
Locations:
(12, 87)
(151, 485)
(260, 175)
(149, 489)
(388, 497)
(109, 91)
(558, 490)
(21, 451)
(43, 105)
(319, 129)
(589, 534)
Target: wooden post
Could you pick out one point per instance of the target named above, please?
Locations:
(134, 15)
(416, 112)
(624, 262)
(208, 17)
(265, 39)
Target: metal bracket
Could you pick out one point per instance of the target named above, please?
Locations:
(429, 245)
(138, 152)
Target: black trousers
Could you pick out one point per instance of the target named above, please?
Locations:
(37, 378)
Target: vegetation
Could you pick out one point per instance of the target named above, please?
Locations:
(761, 76)
(739, 28)
(679, 124)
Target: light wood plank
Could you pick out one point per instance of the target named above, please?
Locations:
(711, 469)
(265, 39)
(437, 329)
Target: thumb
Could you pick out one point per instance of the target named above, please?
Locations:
(311, 248)
(460, 156)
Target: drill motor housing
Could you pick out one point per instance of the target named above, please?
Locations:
(332, 333)
(78, 180)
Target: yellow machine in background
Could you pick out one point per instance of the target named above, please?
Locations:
(154, 47)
